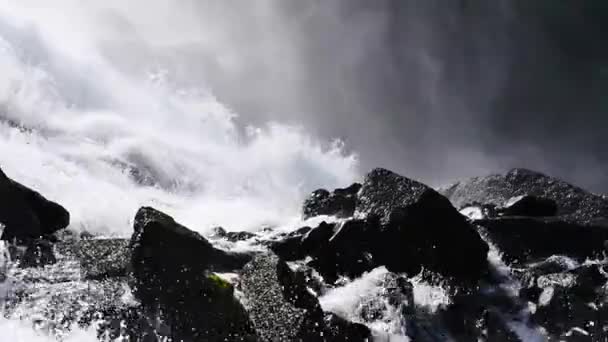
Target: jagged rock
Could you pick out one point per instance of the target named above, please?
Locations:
(420, 228)
(569, 300)
(523, 239)
(340, 203)
(172, 268)
(574, 203)
(529, 206)
(407, 226)
(57, 298)
(26, 214)
(303, 242)
(343, 249)
(221, 233)
(282, 309)
(348, 249)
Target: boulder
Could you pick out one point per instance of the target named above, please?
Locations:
(349, 250)
(573, 203)
(527, 205)
(282, 309)
(402, 224)
(302, 242)
(340, 202)
(172, 269)
(26, 214)
(573, 302)
(529, 239)
(420, 228)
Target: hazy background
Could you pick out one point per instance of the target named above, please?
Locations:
(434, 89)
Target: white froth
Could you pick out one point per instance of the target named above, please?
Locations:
(84, 123)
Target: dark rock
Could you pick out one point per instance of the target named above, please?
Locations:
(303, 242)
(282, 309)
(38, 253)
(384, 191)
(420, 228)
(529, 206)
(221, 233)
(347, 251)
(103, 258)
(574, 203)
(335, 249)
(26, 214)
(340, 203)
(172, 267)
(570, 300)
(338, 329)
(523, 239)
(58, 299)
(408, 226)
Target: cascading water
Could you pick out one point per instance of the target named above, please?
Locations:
(102, 141)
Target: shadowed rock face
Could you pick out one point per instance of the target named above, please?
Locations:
(282, 309)
(573, 203)
(527, 239)
(401, 224)
(26, 214)
(340, 202)
(172, 268)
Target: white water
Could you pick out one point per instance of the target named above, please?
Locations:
(84, 101)
(89, 120)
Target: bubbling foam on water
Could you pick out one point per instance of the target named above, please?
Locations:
(102, 141)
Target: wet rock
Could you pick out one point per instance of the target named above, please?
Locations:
(172, 269)
(26, 214)
(103, 258)
(340, 203)
(570, 300)
(406, 226)
(349, 250)
(573, 203)
(523, 239)
(420, 228)
(221, 233)
(282, 309)
(38, 253)
(303, 242)
(57, 299)
(532, 206)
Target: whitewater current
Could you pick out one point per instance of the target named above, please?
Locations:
(103, 139)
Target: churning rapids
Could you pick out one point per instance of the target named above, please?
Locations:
(103, 142)
(389, 259)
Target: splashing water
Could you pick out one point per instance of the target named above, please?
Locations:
(103, 141)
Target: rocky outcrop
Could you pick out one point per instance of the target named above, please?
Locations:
(529, 239)
(531, 206)
(172, 268)
(573, 203)
(401, 224)
(340, 202)
(169, 282)
(282, 309)
(569, 303)
(25, 214)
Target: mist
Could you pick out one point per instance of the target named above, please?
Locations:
(436, 91)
